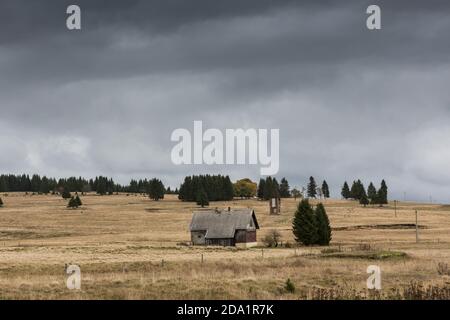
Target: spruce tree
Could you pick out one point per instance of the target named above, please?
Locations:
(304, 225)
(155, 189)
(261, 186)
(357, 190)
(284, 188)
(325, 189)
(66, 194)
(275, 189)
(217, 188)
(372, 194)
(345, 191)
(228, 191)
(323, 226)
(363, 199)
(312, 186)
(202, 198)
(354, 191)
(78, 201)
(72, 203)
(268, 188)
(382, 195)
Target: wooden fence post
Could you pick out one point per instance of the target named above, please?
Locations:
(417, 230)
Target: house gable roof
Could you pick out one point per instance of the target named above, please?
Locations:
(223, 224)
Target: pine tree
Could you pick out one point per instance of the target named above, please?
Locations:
(228, 190)
(304, 225)
(66, 194)
(372, 193)
(325, 189)
(357, 190)
(382, 194)
(202, 198)
(363, 199)
(312, 186)
(275, 189)
(72, 203)
(3, 184)
(284, 188)
(155, 189)
(217, 188)
(345, 191)
(268, 188)
(1, 202)
(101, 185)
(78, 201)
(261, 186)
(323, 226)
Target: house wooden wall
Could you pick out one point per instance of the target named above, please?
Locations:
(198, 237)
(243, 236)
(220, 242)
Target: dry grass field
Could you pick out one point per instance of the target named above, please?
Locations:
(129, 247)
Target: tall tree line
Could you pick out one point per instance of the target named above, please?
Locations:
(269, 188)
(372, 196)
(206, 187)
(101, 185)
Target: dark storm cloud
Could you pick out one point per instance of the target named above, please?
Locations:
(350, 103)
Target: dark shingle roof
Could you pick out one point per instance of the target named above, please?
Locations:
(223, 224)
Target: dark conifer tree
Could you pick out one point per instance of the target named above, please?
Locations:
(202, 198)
(72, 203)
(217, 188)
(304, 225)
(357, 190)
(268, 188)
(66, 194)
(156, 189)
(285, 191)
(228, 192)
(1, 203)
(78, 201)
(372, 194)
(261, 188)
(312, 186)
(323, 226)
(3, 184)
(363, 199)
(382, 195)
(345, 191)
(325, 189)
(101, 186)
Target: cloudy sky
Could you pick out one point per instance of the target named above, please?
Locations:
(350, 103)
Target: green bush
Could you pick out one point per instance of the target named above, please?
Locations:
(289, 286)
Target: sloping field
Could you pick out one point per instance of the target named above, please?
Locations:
(129, 247)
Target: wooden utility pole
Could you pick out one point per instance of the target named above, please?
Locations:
(395, 208)
(417, 230)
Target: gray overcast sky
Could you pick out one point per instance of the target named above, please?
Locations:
(350, 103)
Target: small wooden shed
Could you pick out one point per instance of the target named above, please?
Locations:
(232, 227)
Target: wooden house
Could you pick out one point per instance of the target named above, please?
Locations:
(232, 227)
